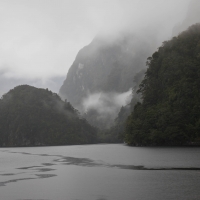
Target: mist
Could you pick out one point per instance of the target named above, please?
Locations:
(105, 105)
(40, 39)
(143, 18)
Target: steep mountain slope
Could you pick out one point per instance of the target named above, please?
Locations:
(170, 111)
(30, 116)
(106, 66)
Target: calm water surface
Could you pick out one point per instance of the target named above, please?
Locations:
(99, 172)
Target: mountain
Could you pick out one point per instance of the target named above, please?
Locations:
(117, 131)
(106, 66)
(30, 117)
(169, 113)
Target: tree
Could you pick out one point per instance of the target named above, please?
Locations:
(170, 110)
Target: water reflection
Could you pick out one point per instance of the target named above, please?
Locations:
(99, 172)
(67, 160)
(14, 180)
(45, 175)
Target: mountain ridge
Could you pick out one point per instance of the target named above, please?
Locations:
(105, 66)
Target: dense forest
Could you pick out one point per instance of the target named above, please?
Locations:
(169, 113)
(30, 117)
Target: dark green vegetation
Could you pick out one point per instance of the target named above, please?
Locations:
(30, 116)
(170, 110)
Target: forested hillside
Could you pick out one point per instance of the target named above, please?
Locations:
(30, 116)
(170, 110)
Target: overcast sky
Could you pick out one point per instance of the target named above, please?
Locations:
(39, 39)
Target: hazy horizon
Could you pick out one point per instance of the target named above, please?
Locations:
(40, 39)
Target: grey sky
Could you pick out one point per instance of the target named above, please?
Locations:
(40, 38)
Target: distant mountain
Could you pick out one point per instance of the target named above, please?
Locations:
(30, 117)
(169, 113)
(106, 65)
(8, 83)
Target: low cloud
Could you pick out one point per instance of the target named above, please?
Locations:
(40, 39)
(106, 103)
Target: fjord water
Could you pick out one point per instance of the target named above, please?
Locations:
(99, 172)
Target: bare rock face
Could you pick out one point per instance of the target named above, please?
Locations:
(105, 66)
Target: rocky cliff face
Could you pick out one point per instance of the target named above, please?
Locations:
(105, 65)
